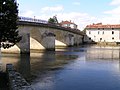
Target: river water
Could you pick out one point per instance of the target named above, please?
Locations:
(73, 68)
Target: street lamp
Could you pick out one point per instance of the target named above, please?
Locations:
(94, 38)
(34, 18)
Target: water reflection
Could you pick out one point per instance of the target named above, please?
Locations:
(108, 56)
(40, 61)
(49, 60)
(45, 68)
(104, 53)
(24, 65)
(9, 58)
(83, 71)
(76, 68)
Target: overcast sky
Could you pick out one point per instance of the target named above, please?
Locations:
(81, 12)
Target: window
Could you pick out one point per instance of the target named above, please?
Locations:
(89, 32)
(100, 39)
(103, 32)
(89, 38)
(98, 32)
(112, 32)
(112, 38)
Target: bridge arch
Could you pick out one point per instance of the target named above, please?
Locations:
(59, 43)
(14, 49)
(45, 38)
(35, 45)
(47, 34)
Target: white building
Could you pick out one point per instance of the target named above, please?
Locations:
(102, 33)
(68, 24)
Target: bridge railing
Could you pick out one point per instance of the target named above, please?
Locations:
(32, 20)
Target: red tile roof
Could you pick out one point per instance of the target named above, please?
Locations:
(66, 22)
(99, 25)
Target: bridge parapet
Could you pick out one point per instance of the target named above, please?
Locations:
(32, 20)
(39, 22)
(48, 25)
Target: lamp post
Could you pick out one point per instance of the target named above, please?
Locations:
(94, 38)
(34, 18)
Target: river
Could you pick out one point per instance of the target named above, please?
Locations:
(72, 68)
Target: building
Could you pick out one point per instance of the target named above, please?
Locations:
(68, 24)
(102, 33)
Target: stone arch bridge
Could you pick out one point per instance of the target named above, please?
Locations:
(46, 34)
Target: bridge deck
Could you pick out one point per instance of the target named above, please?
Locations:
(76, 31)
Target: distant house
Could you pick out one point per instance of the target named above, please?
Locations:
(102, 33)
(68, 24)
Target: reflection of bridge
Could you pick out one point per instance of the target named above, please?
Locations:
(45, 34)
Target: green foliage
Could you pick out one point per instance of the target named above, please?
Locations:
(84, 31)
(8, 23)
(51, 20)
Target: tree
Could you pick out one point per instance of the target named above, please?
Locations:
(84, 31)
(53, 20)
(8, 23)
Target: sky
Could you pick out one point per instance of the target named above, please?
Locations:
(81, 12)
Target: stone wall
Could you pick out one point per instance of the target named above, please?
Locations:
(16, 81)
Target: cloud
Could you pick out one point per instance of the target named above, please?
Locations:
(76, 3)
(112, 16)
(28, 13)
(115, 2)
(109, 20)
(81, 19)
(84, 19)
(52, 9)
(114, 12)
